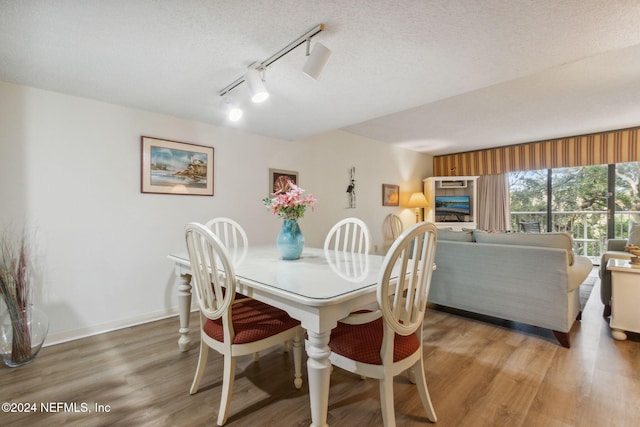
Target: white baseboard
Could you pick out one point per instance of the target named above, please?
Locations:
(60, 337)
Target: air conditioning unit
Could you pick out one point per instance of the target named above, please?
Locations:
(453, 184)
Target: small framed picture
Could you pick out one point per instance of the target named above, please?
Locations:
(171, 167)
(390, 195)
(278, 175)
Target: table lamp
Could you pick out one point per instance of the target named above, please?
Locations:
(417, 201)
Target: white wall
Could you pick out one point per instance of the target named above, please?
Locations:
(70, 172)
(376, 163)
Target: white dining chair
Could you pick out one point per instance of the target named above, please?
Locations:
(232, 236)
(348, 235)
(346, 245)
(386, 342)
(230, 325)
(235, 240)
(391, 229)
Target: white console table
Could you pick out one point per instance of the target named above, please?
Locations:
(625, 298)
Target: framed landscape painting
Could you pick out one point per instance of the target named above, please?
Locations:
(171, 167)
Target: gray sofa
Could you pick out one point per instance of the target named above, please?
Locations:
(527, 278)
(615, 249)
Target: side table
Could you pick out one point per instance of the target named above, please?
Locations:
(625, 298)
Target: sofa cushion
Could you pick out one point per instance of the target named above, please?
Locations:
(457, 236)
(545, 240)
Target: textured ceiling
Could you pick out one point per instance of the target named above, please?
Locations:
(434, 76)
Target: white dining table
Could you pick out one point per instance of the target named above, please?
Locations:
(318, 289)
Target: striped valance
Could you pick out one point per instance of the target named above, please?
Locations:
(600, 148)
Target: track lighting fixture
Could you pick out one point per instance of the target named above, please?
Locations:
(254, 77)
(256, 86)
(234, 113)
(317, 60)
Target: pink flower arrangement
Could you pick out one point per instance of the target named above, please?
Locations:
(289, 201)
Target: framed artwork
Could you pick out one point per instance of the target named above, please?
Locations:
(279, 174)
(390, 195)
(171, 167)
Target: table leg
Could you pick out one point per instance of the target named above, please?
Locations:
(319, 375)
(184, 310)
(618, 334)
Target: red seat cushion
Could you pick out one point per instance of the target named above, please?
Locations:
(362, 343)
(252, 321)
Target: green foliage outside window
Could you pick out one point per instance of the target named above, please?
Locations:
(578, 200)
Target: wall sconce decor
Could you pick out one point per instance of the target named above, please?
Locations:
(351, 189)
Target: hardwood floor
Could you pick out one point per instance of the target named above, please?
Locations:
(479, 373)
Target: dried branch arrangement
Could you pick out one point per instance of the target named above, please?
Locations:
(15, 291)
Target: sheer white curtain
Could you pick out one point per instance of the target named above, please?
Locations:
(494, 209)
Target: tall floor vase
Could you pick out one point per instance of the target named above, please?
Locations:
(290, 240)
(22, 336)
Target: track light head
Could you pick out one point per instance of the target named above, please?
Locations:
(256, 86)
(317, 60)
(234, 113)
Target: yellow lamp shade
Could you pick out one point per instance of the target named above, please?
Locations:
(417, 200)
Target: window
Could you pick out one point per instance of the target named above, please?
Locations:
(627, 198)
(529, 198)
(576, 200)
(579, 205)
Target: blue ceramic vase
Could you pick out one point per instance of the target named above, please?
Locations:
(290, 240)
